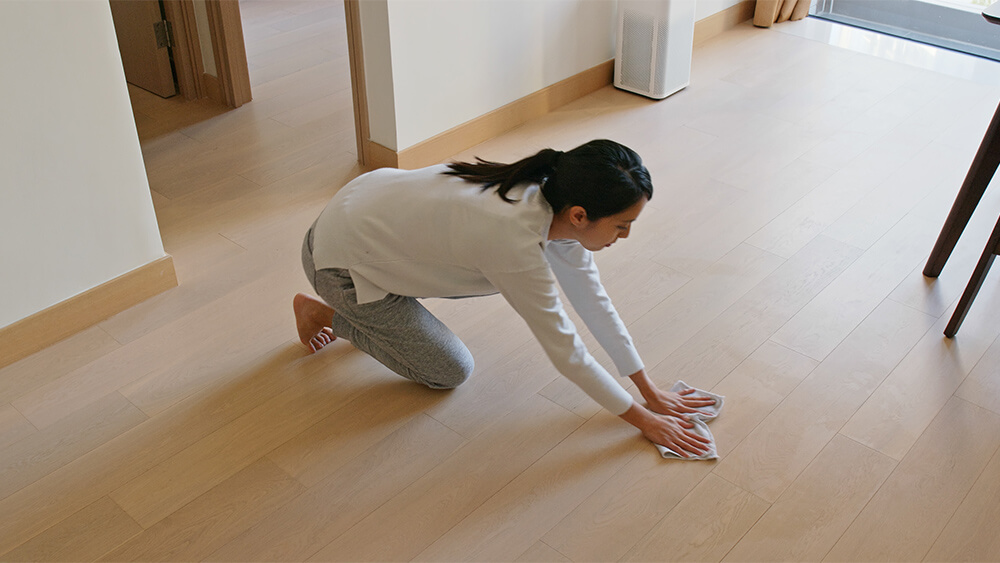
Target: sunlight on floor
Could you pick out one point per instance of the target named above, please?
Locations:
(928, 57)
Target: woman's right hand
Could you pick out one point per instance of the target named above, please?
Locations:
(669, 431)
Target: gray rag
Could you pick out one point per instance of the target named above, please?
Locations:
(699, 419)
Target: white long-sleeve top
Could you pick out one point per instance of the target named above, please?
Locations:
(421, 233)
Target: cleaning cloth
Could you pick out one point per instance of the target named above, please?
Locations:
(699, 421)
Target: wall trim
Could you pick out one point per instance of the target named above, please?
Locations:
(489, 125)
(64, 319)
(494, 123)
(725, 20)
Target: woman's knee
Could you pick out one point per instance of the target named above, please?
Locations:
(451, 373)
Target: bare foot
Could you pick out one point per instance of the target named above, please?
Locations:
(312, 318)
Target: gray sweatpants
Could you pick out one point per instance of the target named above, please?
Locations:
(397, 331)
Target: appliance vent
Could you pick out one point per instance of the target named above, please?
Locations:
(637, 49)
(655, 43)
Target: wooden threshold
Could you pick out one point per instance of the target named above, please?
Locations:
(64, 319)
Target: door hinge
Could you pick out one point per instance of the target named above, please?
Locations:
(164, 34)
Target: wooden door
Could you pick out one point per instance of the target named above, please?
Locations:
(146, 60)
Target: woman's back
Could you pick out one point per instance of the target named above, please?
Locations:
(426, 234)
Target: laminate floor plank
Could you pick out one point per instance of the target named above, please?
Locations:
(805, 522)
(34, 371)
(971, 533)
(674, 320)
(457, 486)
(156, 351)
(715, 350)
(214, 518)
(541, 553)
(896, 414)
(760, 382)
(512, 520)
(982, 386)
(783, 445)
(13, 426)
(743, 217)
(623, 510)
(315, 453)
(307, 523)
(935, 295)
(912, 508)
(824, 323)
(84, 536)
(890, 202)
(495, 391)
(704, 526)
(189, 473)
(97, 473)
(194, 292)
(27, 461)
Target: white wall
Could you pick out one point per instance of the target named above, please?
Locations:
(439, 63)
(75, 207)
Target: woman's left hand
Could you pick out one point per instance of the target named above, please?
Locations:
(678, 403)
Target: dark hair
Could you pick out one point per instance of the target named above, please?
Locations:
(603, 177)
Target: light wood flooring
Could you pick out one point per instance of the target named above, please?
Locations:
(799, 189)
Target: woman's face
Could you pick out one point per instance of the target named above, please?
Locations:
(601, 233)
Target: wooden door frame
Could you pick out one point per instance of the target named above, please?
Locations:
(187, 48)
(359, 91)
(232, 85)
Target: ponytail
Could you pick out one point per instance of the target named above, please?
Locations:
(534, 169)
(603, 177)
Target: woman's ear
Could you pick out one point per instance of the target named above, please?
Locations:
(577, 216)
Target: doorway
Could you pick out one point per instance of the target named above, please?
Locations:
(143, 34)
(953, 24)
(190, 47)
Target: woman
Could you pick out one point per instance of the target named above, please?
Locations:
(469, 229)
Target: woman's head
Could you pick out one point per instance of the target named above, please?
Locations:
(603, 177)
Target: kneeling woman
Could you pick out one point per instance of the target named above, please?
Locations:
(469, 229)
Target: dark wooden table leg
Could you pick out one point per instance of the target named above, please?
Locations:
(980, 173)
(975, 282)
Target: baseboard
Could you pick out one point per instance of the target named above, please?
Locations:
(62, 320)
(379, 156)
(723, 21)
(485, 127)
(496, 122)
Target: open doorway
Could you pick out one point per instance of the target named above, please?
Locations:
(953, 24)
(193, 49)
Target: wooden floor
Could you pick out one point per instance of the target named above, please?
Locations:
(799, 189)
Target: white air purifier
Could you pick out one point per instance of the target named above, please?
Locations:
(655, 41)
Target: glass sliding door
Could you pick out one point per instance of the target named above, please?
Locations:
(953, 24)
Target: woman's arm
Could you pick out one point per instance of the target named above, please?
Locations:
(533, 296)
(574, 267)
